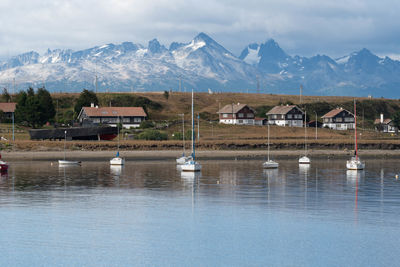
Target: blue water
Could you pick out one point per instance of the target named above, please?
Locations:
(233, 214)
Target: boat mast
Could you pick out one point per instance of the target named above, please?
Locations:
(355, 129)
(65, 142)
(305, 133)
(183, 133)
(193, 152)
(119, 121)
(268, 142)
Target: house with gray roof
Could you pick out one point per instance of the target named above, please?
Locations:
(240, 114)
(338, 119)
(288, 115)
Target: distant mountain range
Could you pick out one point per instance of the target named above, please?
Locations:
(202, 64)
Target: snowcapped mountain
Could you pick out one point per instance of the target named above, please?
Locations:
(202, 63)
(360, 73)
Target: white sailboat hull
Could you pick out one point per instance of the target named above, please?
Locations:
(355, 164)
(117, 161)
(304, 160)
(270, 164)
(191, 166)
(68, 162)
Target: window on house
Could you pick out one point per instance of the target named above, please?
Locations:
(126, 120)
(339, 119)
(289, 116)
(274, 116)
(250, 115)
(137, 119)
(96, 120)
(241, 115)
(224, 115)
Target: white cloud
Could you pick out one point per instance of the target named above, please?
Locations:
(300, 26)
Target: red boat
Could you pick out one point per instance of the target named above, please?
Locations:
(3, 165)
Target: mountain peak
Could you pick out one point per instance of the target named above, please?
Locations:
(155, 47)
(204, 37)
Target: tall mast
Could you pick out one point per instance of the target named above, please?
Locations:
(183, 132)
(193, 152)
(355, 129)
(305, 133)
(268, 141)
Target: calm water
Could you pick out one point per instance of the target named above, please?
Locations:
(233, 214)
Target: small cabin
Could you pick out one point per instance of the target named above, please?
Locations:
(8, 109)
(127, 116)
(385, 125)
(338, 119)
(240, 114)
(289, 115)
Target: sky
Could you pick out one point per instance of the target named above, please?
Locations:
(301, 27)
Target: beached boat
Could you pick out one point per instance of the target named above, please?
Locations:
(304, 159)
(192, 165)
(355, 163)
(269, 164)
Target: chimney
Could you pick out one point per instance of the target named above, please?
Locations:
(92, 105)
(381, 118)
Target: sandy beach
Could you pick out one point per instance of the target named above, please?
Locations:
(202, 154)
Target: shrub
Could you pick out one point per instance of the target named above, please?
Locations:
(146, 124)
(152, 135)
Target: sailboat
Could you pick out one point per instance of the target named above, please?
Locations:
(270, 164)
(184, 158)
(191, 165)
(355, 163)
(3, 165)
(117, 160)
(304, 159)
(64, 161)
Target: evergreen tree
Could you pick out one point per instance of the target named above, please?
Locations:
(85, 99)
(47, 111)
(34, 109)
(396, 119)
(20, 109)
(5, 96)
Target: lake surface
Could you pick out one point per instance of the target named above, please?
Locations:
(234, 213)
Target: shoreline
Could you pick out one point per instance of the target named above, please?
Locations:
(200, 154)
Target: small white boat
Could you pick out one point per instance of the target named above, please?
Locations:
(270, 164)
(117, 161)
(355, 163)
(64, 162)
(192, 165)
(304, 159)
(68, 162)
